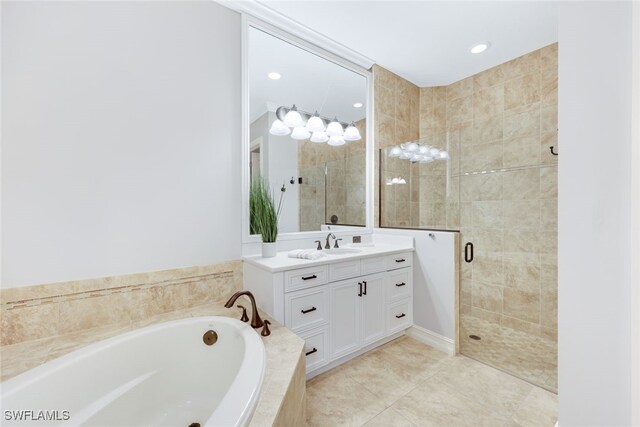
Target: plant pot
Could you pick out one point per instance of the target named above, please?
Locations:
(269, 249)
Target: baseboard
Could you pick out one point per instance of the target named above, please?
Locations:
(431, 338)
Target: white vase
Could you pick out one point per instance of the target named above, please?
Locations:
(270, 249)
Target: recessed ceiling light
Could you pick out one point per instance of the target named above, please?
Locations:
(274, 76)
(480, 47)
(357, 105)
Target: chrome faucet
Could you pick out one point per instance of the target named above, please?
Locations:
(256, 321)
(329, 236)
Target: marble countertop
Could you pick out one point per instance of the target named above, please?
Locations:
(283, 350)
(282, 261)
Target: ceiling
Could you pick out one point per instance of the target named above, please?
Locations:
(428, 42)
(309, 81)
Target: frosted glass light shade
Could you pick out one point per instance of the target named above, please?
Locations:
(315, 124)
(300, 133)
(405, 155)
(319, 137)
(434, 152)
(336, 140)
(412, 147)
(423, 149)
(426, 159)
(352, 133)
(444, 155)
(395, 152)
(293, 118)
(335, 128)
(279, 129)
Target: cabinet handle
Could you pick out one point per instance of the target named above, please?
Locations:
(311, 351)
(400, 260)
(400, 284)
(310, 277)
(309, 310)
(359, 289)
(401, 316)
(468, 255)
(365, 287)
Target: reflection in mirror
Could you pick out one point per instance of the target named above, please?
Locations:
(307, 133)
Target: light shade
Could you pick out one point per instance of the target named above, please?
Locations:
(300, 133)
(412, 147)
(315, 124)
(405, 155)
(293, 118)
(395, 152)
(279, 129)
(426, 159)
(335, 128)
(319, 137)
(444, 155)
(336, 140)
(423, 149)
(434, 152)
(351, 133)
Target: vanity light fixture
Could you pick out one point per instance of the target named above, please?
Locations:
(274, 76)
(417, 153)
(351, 133)
(480, 47)
(293, 118)
(279, 129)
(303, 125)
(357, 105)
(335, 128)
(300, 133)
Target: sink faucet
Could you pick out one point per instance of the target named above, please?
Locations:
(256, 321)
(329, 236)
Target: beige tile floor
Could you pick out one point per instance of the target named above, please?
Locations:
(407, 383)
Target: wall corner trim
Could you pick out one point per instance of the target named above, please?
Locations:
(433, 339)
(265, 13)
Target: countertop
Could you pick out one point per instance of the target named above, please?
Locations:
(282, 261)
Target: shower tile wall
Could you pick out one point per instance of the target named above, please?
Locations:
(344, 184)
(397, 108)
(499, 189)
(507, 118)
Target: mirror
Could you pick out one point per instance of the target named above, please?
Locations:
(307, 134)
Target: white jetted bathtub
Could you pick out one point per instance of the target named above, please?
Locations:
(161, 375)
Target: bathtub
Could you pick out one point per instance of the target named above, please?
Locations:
(163, 374)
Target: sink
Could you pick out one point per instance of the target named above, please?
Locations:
(341, 251)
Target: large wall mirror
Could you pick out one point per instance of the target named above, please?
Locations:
(307, 133)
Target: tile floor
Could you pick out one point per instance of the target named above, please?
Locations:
(407, 383)
(530, 357)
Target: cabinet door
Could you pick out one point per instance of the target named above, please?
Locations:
(345, 312)
(372, 307)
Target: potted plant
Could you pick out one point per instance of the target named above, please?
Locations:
(264, 216)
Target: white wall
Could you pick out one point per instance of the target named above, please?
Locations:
(594, 214)
(434, 281)
(121, 138)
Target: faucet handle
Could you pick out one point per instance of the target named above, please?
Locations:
(265, 329)
(319, 245)
(336, 244)
(244, 317)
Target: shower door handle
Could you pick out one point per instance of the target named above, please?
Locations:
(468, 252)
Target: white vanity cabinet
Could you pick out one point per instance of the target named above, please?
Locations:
(340, 307)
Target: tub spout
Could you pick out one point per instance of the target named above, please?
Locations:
(256, 321)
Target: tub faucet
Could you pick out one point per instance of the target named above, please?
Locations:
(256, 321)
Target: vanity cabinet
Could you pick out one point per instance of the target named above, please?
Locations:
(340, 308)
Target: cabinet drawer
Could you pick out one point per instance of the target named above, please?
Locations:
(399, 316)
(307, 308)
(374, 264)
(305, 278)
(399, 261)
(315, 348)
(344, 270)
(399, 285)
